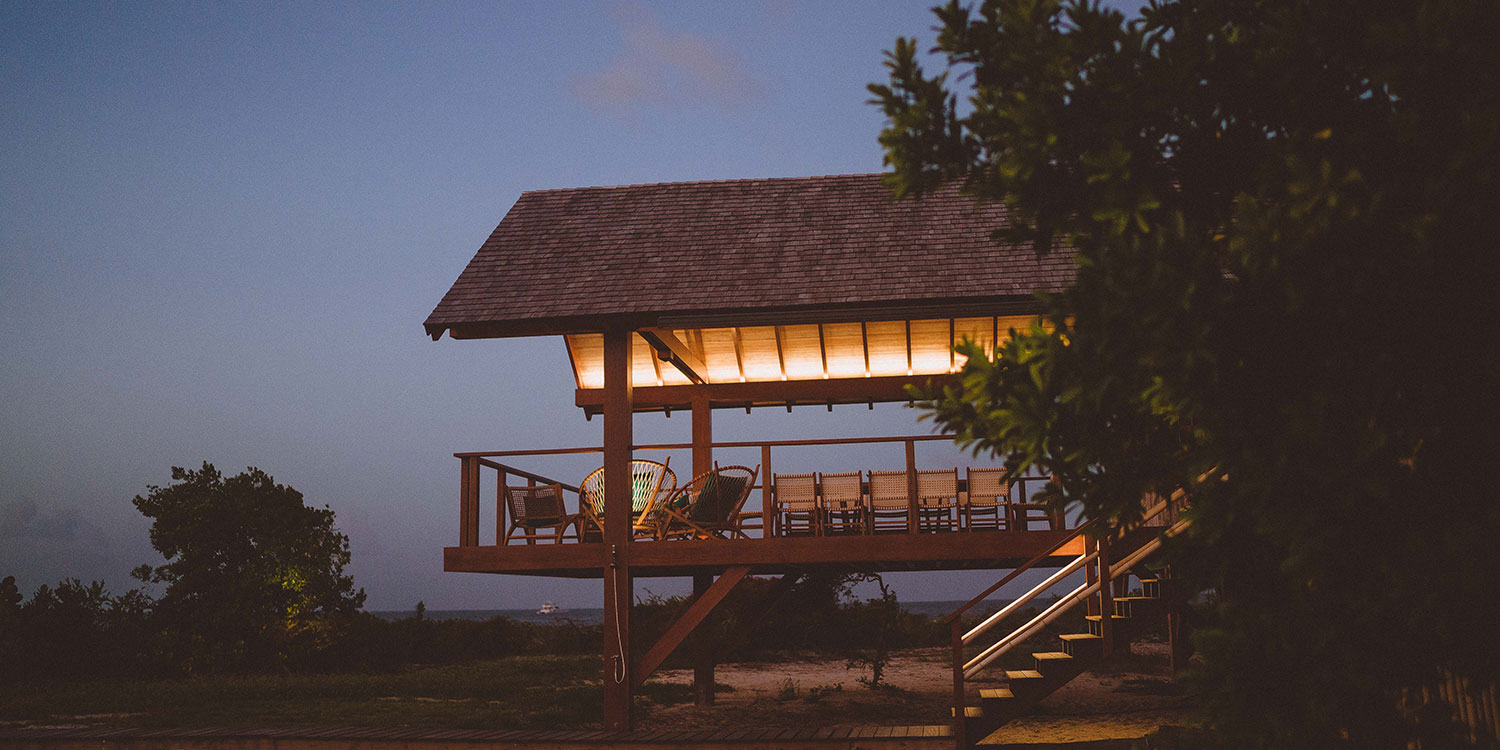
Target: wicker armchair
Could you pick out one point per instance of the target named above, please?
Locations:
(649, 481)
(708, 506)
(533, 509)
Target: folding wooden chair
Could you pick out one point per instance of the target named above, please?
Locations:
(842, 500)
(987, 505)
(796, 511)
(888, 501)
(937, 499)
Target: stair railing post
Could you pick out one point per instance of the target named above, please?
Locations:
(1106, 600)
(1091, 574)
(956, 639)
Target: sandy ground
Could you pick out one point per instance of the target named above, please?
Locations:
(1109, 704)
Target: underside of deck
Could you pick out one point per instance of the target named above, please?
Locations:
(886, 552)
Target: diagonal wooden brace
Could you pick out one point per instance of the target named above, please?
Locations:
(683, 627)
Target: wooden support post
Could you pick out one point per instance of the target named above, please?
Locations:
(1106, 600)
(618, 588)
(956, 642)
(767, 501)
(703, 435)
(703, 461)
(468, 502)
(703, 649)
(911, 486)
(1178, 636)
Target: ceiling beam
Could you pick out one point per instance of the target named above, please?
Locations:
(778, 393)
(671, 348)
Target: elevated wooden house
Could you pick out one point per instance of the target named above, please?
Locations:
(749, 294)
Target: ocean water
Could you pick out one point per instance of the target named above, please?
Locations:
(595, 615)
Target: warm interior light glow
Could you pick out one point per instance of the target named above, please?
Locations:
(846, 350)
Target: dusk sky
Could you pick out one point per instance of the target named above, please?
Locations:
(222, 225)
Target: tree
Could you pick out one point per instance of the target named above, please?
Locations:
(253, 575)
(1282, 216)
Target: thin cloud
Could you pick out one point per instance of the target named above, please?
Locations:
(22, 519)
(667, 69)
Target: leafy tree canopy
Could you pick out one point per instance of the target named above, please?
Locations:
(251, 571)
(1282, 215)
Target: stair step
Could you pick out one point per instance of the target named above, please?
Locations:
(1022, 674)
(1082, 645)
(1094, 627)
(996, 694)
(1050, 656)
(970, 712)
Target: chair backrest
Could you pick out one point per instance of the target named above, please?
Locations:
(842, 491)
(988, 486)
(721, 494)
(887, 490)
(796, 491)
(647, 479)
(543, 502)
(937, 486)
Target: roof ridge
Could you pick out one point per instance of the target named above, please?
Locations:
(691, 183)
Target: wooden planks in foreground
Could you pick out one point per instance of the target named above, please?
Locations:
(910, 737)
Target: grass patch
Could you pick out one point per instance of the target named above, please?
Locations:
(512, 693)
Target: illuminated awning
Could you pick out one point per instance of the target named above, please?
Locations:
(788, 353)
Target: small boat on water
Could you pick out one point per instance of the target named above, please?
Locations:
(548, 608)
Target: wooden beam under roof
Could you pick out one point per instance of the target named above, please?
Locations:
(678, 353)
(768, 393)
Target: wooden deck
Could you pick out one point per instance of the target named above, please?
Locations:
(777, 555)
(913, 737)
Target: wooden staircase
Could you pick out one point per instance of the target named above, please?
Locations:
(1079, 652)
(1128, 617)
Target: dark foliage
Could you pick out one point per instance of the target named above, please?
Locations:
(254, 577)
(1282, 216)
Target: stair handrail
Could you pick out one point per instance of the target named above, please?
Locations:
(953, 616)
(1068, 601)
(961, 670)
(1044, 586)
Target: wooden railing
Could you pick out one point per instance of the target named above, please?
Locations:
(471, 465)
(1100, 571)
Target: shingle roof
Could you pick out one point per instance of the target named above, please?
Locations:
(565, 260)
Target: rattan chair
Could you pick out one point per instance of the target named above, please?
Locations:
(937, 499)
(535, 508)
(649, 482)
(987, 505)
(796, 505)
(842, 502)
(889, 501)
(708, 506)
